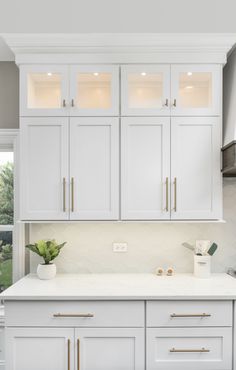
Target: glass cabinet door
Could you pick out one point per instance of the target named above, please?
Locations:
(94, 90)
(195, 90)
(145, 90)
(44, 90)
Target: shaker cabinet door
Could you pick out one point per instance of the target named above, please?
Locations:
(196, 179)
(145, 168)
(94, 168)
(39, 349)
(108, 349)
(44, 169)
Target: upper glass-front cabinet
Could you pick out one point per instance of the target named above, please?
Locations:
(44, 90)
(195, 90)
(145, 90)
(94, 90)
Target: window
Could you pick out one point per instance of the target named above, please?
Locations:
(6, 217)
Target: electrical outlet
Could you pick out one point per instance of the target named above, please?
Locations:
(120, 247)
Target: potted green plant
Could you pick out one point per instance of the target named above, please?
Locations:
(48, 250)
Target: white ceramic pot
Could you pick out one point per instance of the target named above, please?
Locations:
(46, 272)
(202, 266)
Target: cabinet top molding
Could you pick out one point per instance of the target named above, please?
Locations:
(121, 48)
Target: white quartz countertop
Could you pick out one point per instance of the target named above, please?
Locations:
(122, 287)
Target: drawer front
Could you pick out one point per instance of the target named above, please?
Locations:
(189, 348)
(189, 313)
(75, 314)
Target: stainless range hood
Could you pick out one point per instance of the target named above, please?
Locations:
(229, 117)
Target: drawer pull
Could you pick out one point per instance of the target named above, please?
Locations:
(73, 315)
(173, 315)
(78, 354)
(201, 350)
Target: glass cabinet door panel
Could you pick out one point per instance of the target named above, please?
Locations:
(94, 90)
(145, 90)
(44, 90)
(195, 90)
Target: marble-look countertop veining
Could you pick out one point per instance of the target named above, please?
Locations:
(122, 287)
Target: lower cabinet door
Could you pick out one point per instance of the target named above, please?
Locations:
(39, 349)
(109, 349)
(189, 349)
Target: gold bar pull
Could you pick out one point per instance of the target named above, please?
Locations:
(175, 194)
(167, 194)
(173, 315)
(73, 315)
(78, 354)
(64, 103)
(166, 104)
(64, 194)
(68, 350)
(72, 103)
(175, 103)
(72, 195)
(201, 350)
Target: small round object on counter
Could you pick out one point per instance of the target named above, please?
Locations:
(159, 271)
(170, 271)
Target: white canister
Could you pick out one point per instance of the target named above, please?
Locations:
(46, 272)
(202, 266)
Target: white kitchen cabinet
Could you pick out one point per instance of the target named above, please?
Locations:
(196, 179)
(44, 168)
(40, 349)
(196, 90)
(145, 168)
(94, 168)
(94, 90)
(145, 90)
(110, 348)
(189, 348)
(44, 90)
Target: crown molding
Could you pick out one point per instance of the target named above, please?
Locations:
(119, 48)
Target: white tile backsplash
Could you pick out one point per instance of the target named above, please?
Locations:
(89, 245)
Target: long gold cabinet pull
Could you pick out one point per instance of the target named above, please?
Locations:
(167, 194)
(173, 315)
(78, 354)
(64, 103)
(174, 103)
(175, 194)
(64, 194)
(200, 350)
(85, 315)
(72, 194)
(68, 354)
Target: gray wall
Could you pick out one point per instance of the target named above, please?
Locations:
(9, 95)
(118, 16)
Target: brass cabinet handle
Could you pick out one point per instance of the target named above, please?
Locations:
(78, 354)
(72, 102)
(175, 194)
(68, 353)
(64, 103)
(64, 194)
(73, 315)
(175, 103)
(166, 104)
(173, 315)
(167, 194)
(200, 350)
(72, 195)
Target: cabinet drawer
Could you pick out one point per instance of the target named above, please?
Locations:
(189, 348)
(75, 314)
(189, 313)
